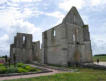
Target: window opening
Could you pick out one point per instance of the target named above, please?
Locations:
(74, 37)
(54, 33)
(23, 39)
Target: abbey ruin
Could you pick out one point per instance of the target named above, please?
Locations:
(65, 44)
(24, 49)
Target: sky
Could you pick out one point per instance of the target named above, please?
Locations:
(36, 16)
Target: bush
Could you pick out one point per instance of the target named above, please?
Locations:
(21, 70)
(27, 67)
(3, 69)
(11, 70)
(34, 69)
(20, 64)
(31, 69)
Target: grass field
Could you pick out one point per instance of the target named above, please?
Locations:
(81, 75)
(101, 58)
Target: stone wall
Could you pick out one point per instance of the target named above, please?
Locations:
(65, 44)
(68, 42)
(24, 49)
(36, 51)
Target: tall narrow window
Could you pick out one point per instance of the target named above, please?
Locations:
(23, 39)
(74, 38)
(76, 31)
(54, 33)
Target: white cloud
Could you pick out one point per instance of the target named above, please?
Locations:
(85, 19)
(4, 46)
(98, 46)
(98, 38)
(97, 2)
(56, 14)
(13, 19)
(4, 38)
(25, 0)
(2, 1)
(67, 4)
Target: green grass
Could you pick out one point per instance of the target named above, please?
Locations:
(101, 58)
(81, 75)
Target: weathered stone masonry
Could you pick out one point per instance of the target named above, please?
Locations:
(24, 49)
(65, 44)
(68, 42)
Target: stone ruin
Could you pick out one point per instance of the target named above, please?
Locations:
(24, 49)
(65, 44)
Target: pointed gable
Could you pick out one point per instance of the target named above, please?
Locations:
(73, 17)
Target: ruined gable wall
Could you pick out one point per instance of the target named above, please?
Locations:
(74, 34)
(83, 47)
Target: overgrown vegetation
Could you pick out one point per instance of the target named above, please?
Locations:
(81, 75)
(20, 68)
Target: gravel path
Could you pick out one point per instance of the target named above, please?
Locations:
(101, 63)
(31, 75)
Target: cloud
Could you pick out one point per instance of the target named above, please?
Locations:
(4, 46)
(98, 46)
(26, 0)
(56, 14)
(21, 16)
(97, 2)
(4, 38)
(98, 37)
(13, 19)
(67, 4)
(2, 1)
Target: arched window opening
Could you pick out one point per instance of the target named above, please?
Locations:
(54, 33)
(23, 39)
(74, 38)
(77, 31)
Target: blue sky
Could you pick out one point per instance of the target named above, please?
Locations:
(36, 16)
